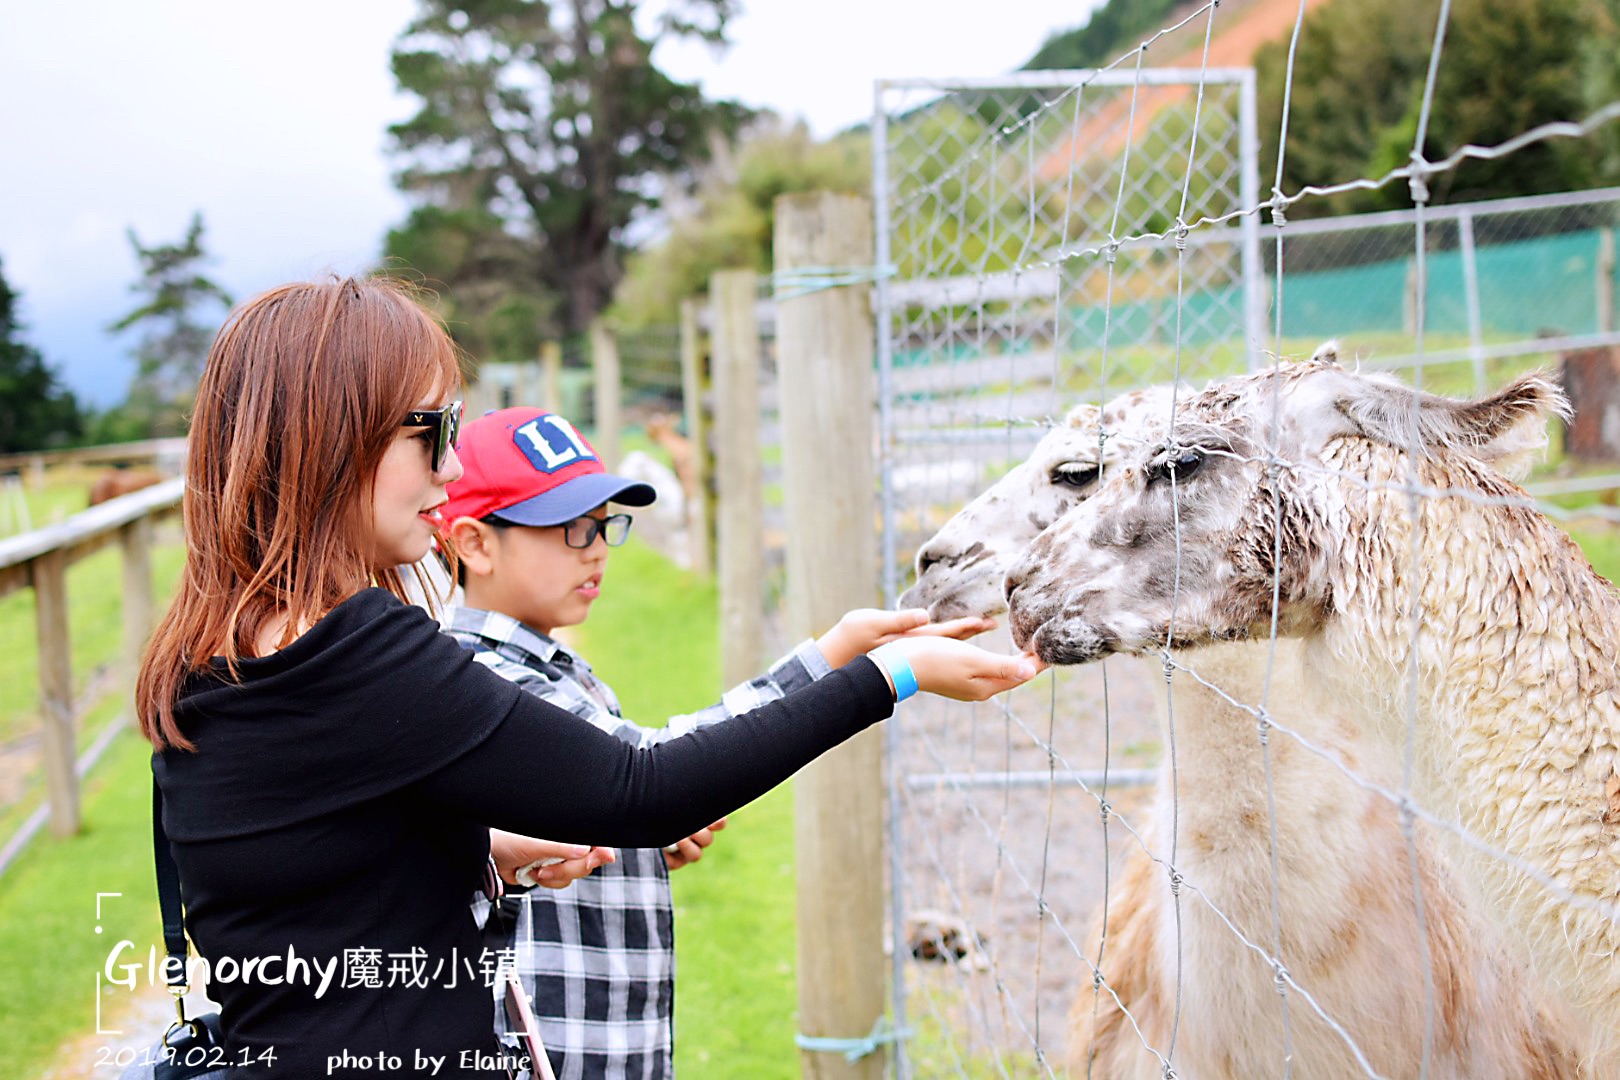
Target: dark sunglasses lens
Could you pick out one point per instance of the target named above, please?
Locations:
(449, 433)
(453, 424)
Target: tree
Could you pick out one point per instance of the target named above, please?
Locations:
(36, 411)
(544, 132)
(174, 345)
(1113, 29)
(1507, 66)
(728, 222)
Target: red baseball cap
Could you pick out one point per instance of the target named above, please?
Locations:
(532, 467)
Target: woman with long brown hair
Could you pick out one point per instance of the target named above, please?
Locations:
(331, 765)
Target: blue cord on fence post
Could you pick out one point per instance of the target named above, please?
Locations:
(804, 280)
(853, 1050)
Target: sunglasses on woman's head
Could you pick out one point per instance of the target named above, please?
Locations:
(446, 425)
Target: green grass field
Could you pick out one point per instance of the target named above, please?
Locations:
(50, 949)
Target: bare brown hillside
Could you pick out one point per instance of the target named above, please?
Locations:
(1241, 28)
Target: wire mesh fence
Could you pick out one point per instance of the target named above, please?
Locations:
(1193, 861)
(650, 370)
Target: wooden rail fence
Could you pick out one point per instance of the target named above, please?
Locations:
(39, 560)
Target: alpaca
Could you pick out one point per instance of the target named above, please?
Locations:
(661, 430)
(1348, 932)
(1516, 722)
(111, 483)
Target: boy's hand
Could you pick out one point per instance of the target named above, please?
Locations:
(690, 850)
(864, 629)
(523, 860)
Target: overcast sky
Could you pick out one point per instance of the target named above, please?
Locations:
(270, 118)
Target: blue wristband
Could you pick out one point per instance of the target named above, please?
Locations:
(894, 661)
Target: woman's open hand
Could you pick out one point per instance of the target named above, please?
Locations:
(956, 669)
(864, 629)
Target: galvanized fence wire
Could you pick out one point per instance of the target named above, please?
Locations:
(1058, 238)
(650, 369)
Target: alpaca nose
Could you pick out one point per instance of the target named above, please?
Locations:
(929, 556)
(1015, 578)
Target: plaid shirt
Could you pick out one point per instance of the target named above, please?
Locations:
(598, 958)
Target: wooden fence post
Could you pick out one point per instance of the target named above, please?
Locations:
(697, 500)
(56, 690)
(551, 376)
(825, 345)
(739, 495)
(135, 541)
(609, 419)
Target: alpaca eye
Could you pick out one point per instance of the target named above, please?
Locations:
(1179, 468)
(1075, 474)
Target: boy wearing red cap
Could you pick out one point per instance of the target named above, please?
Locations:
(529, 520)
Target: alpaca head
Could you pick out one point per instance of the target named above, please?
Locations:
(961, 568)
(1196, 532)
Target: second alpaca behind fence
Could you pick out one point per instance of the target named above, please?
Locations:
(1348, 930)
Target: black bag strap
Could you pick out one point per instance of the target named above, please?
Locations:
(169, 903)
(183, 1035)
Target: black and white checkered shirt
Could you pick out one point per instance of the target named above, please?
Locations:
(599, 956)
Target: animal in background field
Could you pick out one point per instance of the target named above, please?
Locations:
(1517, 721)
(111, 483)
(663, 524)
(1349, 933)
(661, 430)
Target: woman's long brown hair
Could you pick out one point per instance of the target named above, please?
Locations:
(304, 389)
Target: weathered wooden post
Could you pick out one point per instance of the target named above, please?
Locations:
(1591, 378)
(135, 541)
(739, 496)
(551, 376)
(605, 367)
(825, 345)
(697, 500)
(56, 690)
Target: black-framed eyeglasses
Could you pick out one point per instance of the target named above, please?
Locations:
(446, 425)
(582, 531)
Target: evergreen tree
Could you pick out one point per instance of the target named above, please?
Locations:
(1113, 29)
(1507, 66)
(544, 131)
(36, 411)
(174, 343)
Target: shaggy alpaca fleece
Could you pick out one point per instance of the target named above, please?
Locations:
(1349, 934)
(1516, 717)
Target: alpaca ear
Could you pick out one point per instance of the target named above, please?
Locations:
(1512, 423)
(1502, 428)
(1327, 352)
